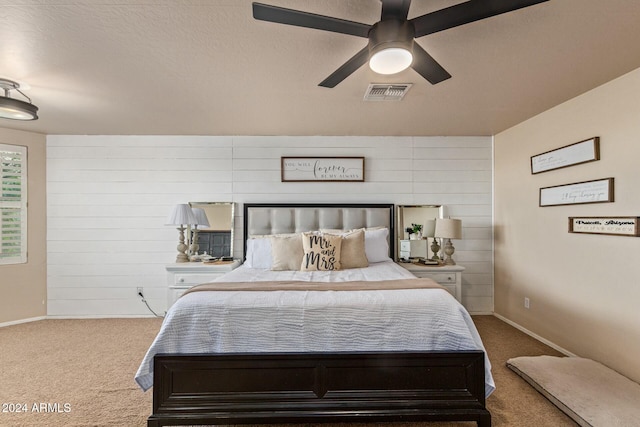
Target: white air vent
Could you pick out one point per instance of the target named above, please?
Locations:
(386, 92)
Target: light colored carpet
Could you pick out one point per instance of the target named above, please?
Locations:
(90, 365)
(589, 392)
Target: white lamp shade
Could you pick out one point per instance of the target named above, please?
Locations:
(449, 228)
(429, 228)
(201, 217)
(181, 215)
(390, 60)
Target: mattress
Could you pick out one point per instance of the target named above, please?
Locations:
(315, 321)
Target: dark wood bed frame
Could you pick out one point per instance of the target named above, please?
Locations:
(266, 388)
(319, 387)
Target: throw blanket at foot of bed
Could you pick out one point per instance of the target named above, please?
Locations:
(296, 285)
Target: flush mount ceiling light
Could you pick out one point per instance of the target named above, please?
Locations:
(15, 109)
(391, 46)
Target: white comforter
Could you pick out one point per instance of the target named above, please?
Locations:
(311, 321)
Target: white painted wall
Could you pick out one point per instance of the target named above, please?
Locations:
(108, 198)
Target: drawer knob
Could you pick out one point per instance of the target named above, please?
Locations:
(449, 278)
(181, 280)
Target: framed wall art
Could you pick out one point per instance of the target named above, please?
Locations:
(569, 155)
(596, 191)
(322, 169)
(610, 225)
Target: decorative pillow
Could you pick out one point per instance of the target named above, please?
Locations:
(376, 245)
(321, 252)
(352, 250)
(258, 253)
(286, 252)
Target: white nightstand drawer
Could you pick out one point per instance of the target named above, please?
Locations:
(195, 279)
(441, 278)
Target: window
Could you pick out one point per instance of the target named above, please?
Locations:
(13, 204)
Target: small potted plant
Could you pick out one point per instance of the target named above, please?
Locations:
(415, 231)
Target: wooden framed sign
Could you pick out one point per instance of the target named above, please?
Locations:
(569, 155)
(310, 169)
(596, 191)
(611, 225)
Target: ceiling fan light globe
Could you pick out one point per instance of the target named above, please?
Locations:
(391, 60)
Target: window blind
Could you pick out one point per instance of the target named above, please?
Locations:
(13, 204)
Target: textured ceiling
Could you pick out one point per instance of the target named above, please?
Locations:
(206, 67)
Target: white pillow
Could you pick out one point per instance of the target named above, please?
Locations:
(258, 253)
(376, 245)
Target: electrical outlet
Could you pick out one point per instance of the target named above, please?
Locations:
(139, 291)
(526, 302)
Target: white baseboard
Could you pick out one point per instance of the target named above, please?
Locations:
(17, 322)
(536, 336)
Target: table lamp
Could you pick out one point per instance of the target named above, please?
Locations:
(181, 215)
(449, 228)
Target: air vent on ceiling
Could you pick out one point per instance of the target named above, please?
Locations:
(386, 92)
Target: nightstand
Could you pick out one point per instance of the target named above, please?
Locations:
(182, 276)
(449, 276)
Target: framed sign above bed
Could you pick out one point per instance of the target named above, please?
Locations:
(323, 169)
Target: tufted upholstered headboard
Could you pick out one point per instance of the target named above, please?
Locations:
(277, 218)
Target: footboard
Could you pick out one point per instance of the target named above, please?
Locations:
(319, 387)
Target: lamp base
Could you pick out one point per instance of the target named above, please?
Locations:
(182, 248)
(449, 250)
(435, 248)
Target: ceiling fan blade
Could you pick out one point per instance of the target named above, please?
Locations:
(395, 9)
(281, 15)
(464, 13)
(427, 67)
(357, 61)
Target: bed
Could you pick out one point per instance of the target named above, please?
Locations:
(265, 344)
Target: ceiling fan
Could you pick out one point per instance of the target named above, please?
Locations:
(391, 47)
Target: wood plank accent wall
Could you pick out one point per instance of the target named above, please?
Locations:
(108, 198)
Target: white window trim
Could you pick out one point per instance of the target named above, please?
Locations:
(21, 204)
